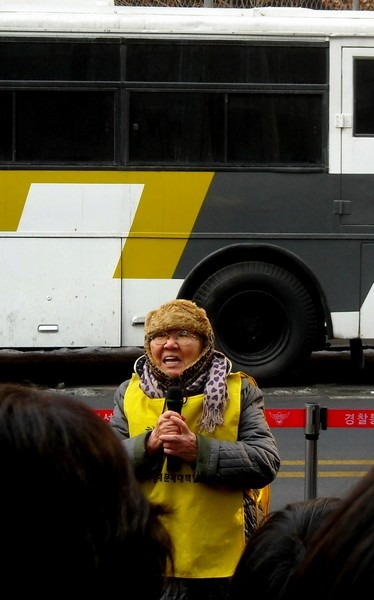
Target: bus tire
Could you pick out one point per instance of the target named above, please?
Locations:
(263, 317)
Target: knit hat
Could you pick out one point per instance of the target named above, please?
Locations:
(178, 314)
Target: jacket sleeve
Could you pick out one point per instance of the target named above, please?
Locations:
(118, 419)
(146, 466)
(253, 460)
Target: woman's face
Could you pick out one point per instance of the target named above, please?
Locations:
(175, 350)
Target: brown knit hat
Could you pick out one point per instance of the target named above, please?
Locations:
(178, 314)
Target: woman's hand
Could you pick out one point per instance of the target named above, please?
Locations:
(164, 426)
(177, 438)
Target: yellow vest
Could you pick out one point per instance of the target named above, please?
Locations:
(207, 522)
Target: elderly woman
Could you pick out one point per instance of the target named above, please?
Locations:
(225, 449)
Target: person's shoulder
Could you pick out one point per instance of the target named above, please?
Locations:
(123, 386)
(250, 392)
(247, 380)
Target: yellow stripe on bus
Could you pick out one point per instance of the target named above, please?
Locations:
(15, 187)
(162, 225)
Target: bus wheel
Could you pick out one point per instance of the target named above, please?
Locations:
(263, 317)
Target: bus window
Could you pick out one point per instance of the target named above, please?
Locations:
(364, 96)
(61, 125)
(163, 128)
(277, 129)
(226, 63)
(6, 120)
(280, 129)
(59, 61)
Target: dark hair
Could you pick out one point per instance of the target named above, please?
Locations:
(340, 558)
(72, 515)
(277, 547)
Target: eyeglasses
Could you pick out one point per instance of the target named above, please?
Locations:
(182, 337)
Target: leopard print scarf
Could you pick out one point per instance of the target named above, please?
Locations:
(209, 373)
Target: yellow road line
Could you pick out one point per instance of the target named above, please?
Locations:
(294, 474)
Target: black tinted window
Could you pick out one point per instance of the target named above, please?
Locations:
(226, 63)
(277, 129)
(65, 126)
(6, 121)
(212, 128)
(364, 96)
(62, 61)
(177, 128)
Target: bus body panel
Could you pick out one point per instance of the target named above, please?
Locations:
(59, 292)
(108, 210)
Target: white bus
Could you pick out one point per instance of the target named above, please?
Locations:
(222, 155)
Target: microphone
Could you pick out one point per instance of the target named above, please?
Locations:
(174, 401)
